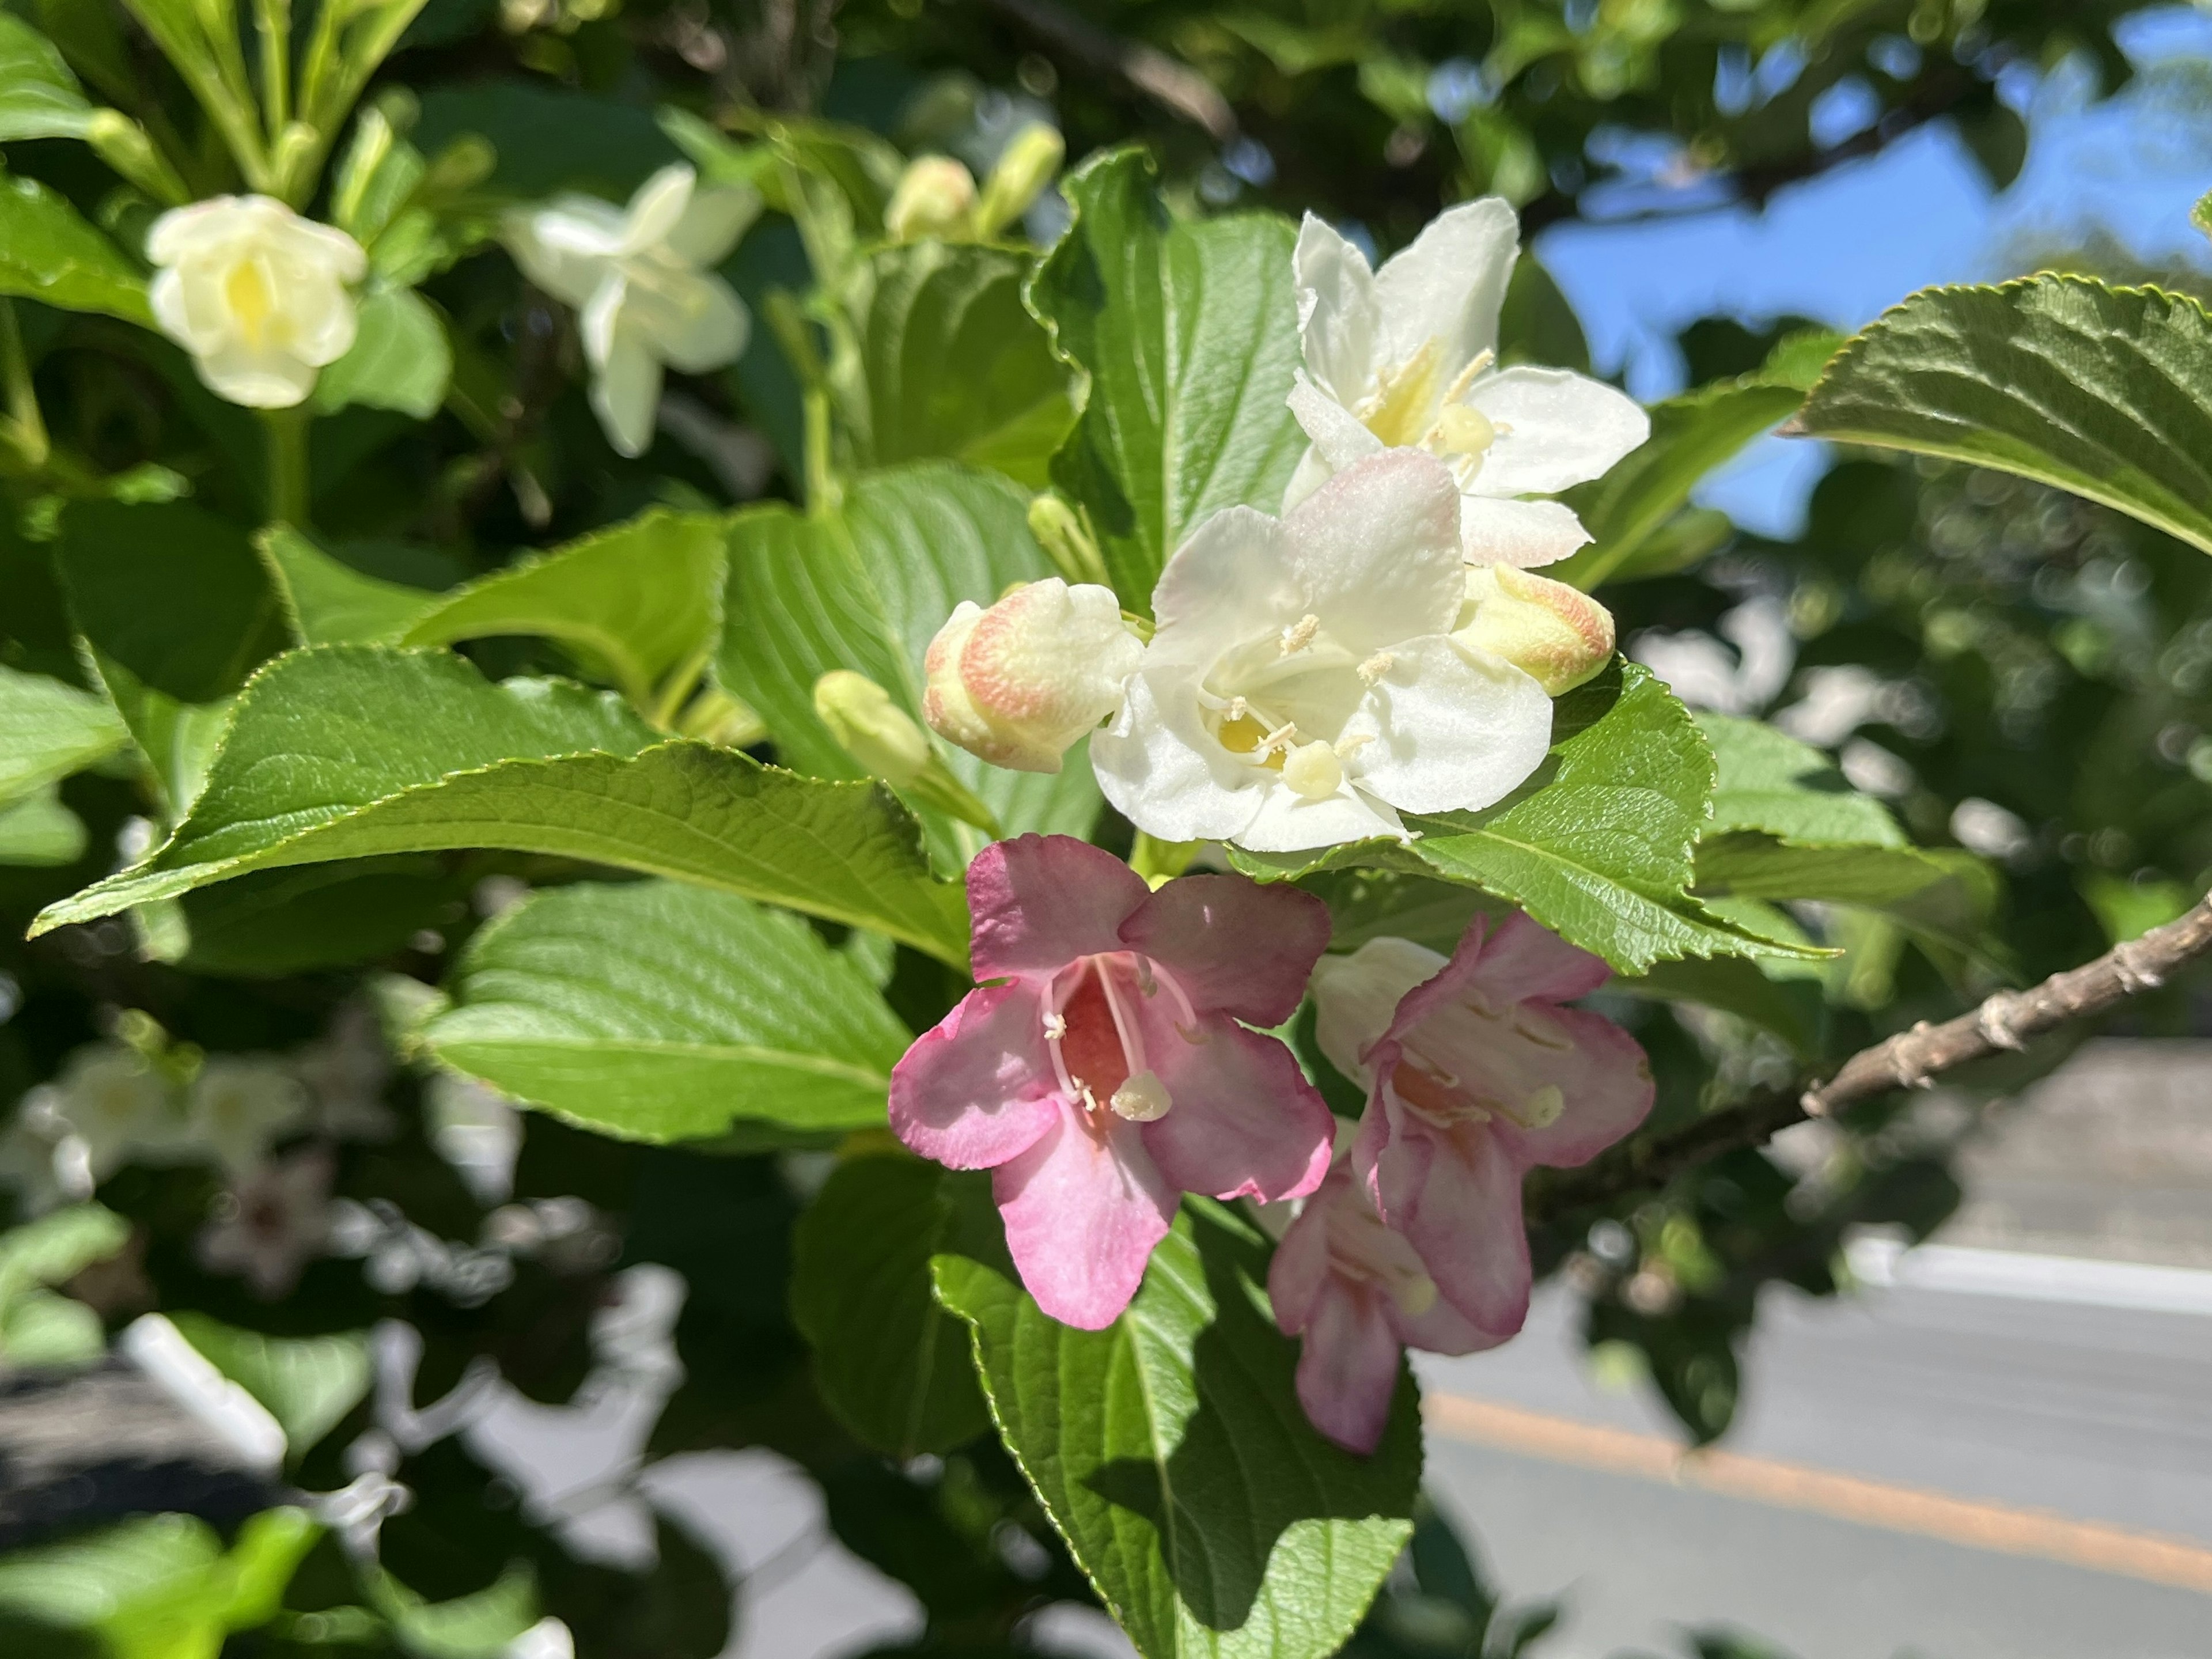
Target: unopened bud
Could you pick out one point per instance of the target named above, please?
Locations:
(1059, 531)
(122, 144)
(936, 196)
(1556, 635)
(872, 729)
(1021, 682)
(1030, 162)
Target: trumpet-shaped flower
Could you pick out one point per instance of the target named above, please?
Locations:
(1022, 681)
(1302, 687)
(258, 294)
(642, 282)
(1357, 1294)
(1475, 1072)
(1405, 357)
(1109, 1068)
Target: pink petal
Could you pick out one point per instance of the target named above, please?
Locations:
(1244, 1123)
(1233, 944)
(978, 1088)
(1523, 961)
(1457, 1199)
(1299, 1272)
(1606, 1082)
(1348, 1367)
(1039, 901)
(1083, 1212)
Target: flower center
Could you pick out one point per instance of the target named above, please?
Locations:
(1281, 701)
(1427, 1084)
(1362, 1249)
(1412, 408)
(252, 298)
(1098, 1041)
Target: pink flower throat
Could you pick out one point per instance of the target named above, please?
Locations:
(1092, 1025)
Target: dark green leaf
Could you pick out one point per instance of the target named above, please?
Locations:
(39, 98)
(49, 253)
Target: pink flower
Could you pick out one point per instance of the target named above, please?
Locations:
(1358, 1294)
(1106, 1072)
(1475, 1072)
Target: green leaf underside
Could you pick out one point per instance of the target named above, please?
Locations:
(1596, 845)
(347, 752)
(1188, 331)
(51, 253)
(891, 1362)
(867, 588)
(655, 1011)
(49, 730)
(2103, 391)
(941, 360)
(1170, 1452)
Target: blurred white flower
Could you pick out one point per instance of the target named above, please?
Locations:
(1405, 358)
(238, 1103)
(273, 1221)
(641, 279)
(258, 294)
(345, 1070)
(114, 1100)
(45, 1167)
(477, 1131)
(549, 1639)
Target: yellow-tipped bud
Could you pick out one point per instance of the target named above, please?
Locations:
(1030, 162)
(872, 728)
(1556, 635)
(936, 196)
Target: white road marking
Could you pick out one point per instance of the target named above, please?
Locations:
(2021, 1276)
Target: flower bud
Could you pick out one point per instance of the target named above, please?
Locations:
(1022, 681)
(1059, 531)
(1026, 165)
(936, 196)
(872, 729)
(122, 144)
(1556, 635)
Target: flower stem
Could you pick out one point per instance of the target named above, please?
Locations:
(28, 428)
(287, 466)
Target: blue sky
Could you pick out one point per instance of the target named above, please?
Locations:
(1841, 248)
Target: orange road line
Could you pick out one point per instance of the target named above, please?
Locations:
(1993, 1526)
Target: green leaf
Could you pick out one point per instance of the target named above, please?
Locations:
(49, 730)
(658, 1012)
(479, 1626)
(273, 923)
(1596, 845)
(44, 1328)
(936, 356)
(2103, 391)
(632, 603)
(1627, 510)
(891, 1363)
(58, 1246)
(308, 1383)
(176, 740)
(865, 589)
(172, 593)
(37, 829)
(49, 253)
(400, 360)
(39, 98)
(331, 603)
(1188, 331)
(1769, 781)
(1777, 995)
(1170, 1452)
(316, 767)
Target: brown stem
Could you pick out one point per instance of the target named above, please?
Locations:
(1910, 1060)
(1166, 81)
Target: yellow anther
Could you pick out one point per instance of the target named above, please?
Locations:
(1300, 634)
(1377, 666)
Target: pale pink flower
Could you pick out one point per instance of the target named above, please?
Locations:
(1107, 1071)
(1475, 1072)
(1357, 1294)
(274, 1220)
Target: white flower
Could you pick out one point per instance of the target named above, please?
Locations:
(1403, 358)
(641, 278)
(275, 1219)
(257, 294)
(114, 1100)
(1302, 688)
(240, 1103)
(1021, 682)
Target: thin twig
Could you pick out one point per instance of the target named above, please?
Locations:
(1910, 1060)
(1166, 81)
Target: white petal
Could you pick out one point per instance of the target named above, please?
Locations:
(1288, 823)
(565, 254)
(259, 379)
(657, 207)
(165, 296)
(601, 318)
(1230, 581)
(180, 230)
(1337, 320)
(1376, 551)
(1162, 772)
(692, 323)
(324, 247)
(712, 224)
(1555, 428)
(1448, 285)
(1341, 436)
(1312, 473)
(1453, 729)
(1521, 533)
(324, 321)
(626, 397)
